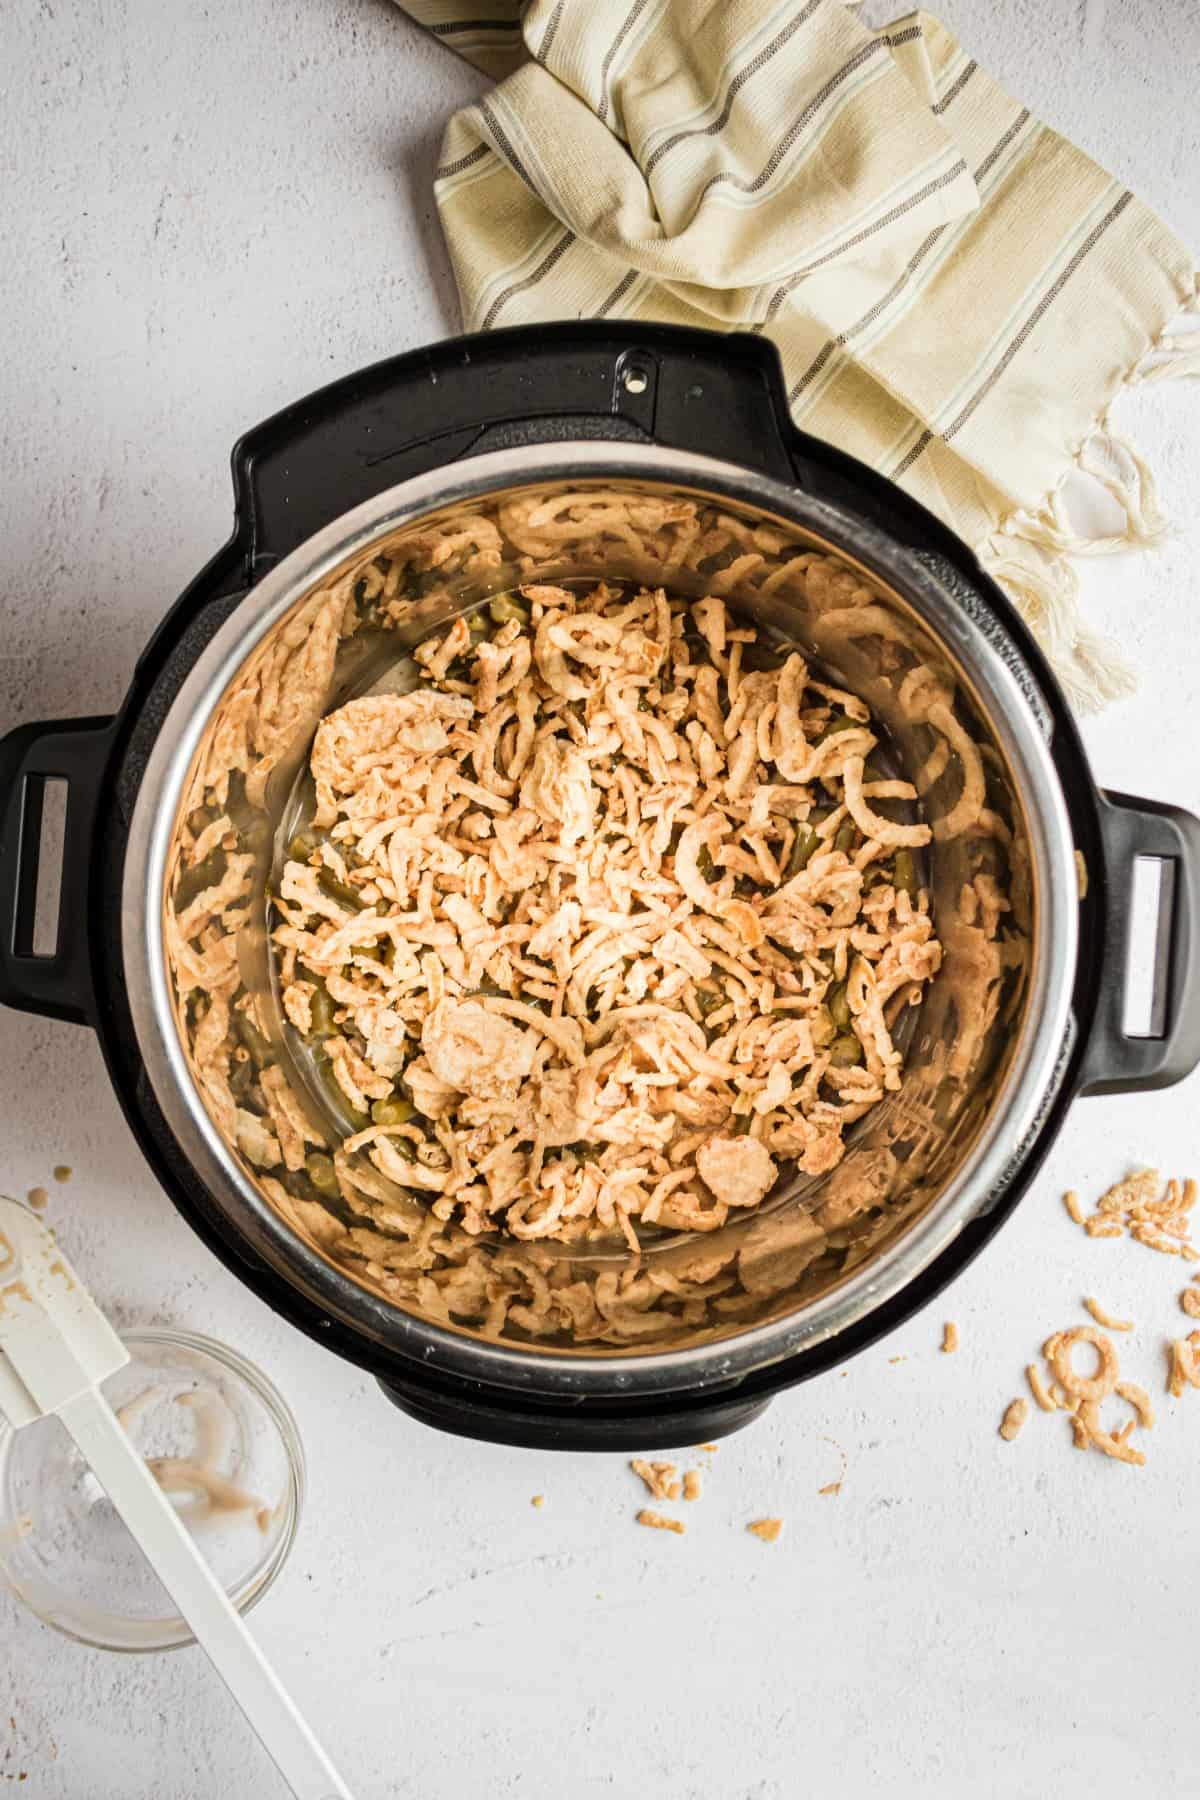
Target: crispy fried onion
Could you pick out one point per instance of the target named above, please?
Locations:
(1058, 1352)
(597, 962)
(598, 930)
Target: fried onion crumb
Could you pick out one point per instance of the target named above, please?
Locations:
(949, 1337)
(539, 1500)
(1183, 1371)
(1102, 1317)
(691, 1484)
(1039, 1390)
(659, 1477)
(658, 1522)
(1081, 1396)
(766, 1529)
(1161, 1220)
(1115, 1444)
(38, 1198)
(1015, 1415)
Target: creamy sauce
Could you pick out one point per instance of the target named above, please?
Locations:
(196, 1482)
(206, 1491)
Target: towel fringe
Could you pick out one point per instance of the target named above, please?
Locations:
(1045, 588)
(1106, 501)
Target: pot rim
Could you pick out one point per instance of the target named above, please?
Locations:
(1002, 686)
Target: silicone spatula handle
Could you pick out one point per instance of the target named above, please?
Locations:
(201, 1600)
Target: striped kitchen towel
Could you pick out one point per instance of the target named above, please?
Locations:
(957, 293)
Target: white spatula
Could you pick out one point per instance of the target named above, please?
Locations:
(56, 1347)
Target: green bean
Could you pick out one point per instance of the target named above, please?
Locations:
(359, 1120)
(201, 819)
(904, 874)
(764, 657)
(504, 607)
(296, 1182)
(704, 861)
(322, 1009)
(341, 891)
(845, 1051)
(802, 850)
(303, 845)
(838, 1006)
(261, 1049)
(194, 881)
(847, 831)
(708, 1001)
(392, 1111)
(478, 625)
(742, 1123)
(585, 1152)
(241, 1077)
(822, 1027)
(839, 722)
(322, 1174)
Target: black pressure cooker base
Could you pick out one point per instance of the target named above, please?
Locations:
(469, 1409)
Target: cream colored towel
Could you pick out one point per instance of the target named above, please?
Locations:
(957, 293)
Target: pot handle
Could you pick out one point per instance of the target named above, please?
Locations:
(1116, 1062)
(58, 983)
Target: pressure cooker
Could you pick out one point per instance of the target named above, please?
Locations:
(596, 424)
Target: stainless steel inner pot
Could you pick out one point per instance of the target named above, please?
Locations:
(985, 1049)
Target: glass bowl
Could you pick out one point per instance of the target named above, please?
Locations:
(223, 1445)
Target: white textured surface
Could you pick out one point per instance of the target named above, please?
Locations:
(209, 210)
